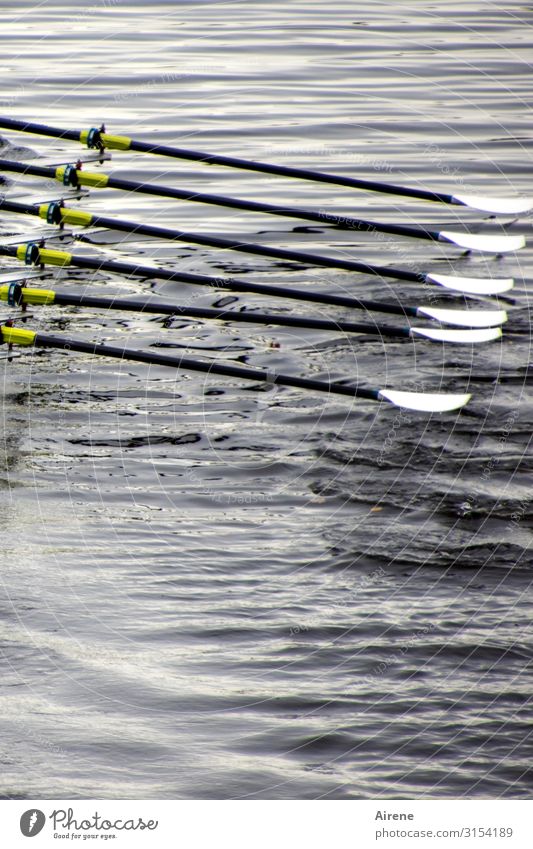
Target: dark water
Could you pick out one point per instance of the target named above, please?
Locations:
(213, 591)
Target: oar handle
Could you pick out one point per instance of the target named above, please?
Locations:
(23, 168)
(17, 207)
(38, 129)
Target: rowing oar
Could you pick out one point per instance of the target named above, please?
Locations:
(37, 255)
(99, 139)
(422, 401)
(16, 295)
(55, 213)
(73, 177)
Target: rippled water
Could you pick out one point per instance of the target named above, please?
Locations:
(214, 591)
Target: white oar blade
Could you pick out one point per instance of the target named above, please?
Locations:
(465, 318)
(472, 285)
(490, 244)
(424, 401)
(459, 337)
(498, 206)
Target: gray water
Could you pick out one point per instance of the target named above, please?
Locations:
(214, 591)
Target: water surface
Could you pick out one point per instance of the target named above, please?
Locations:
(210, 590)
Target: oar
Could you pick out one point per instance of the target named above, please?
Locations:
(98, 138)
(54, 213)
(33, 254)
(422, 401)
(75, 178)
(17, 295)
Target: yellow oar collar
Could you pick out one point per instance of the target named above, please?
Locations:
(54, 213)
(97, 139)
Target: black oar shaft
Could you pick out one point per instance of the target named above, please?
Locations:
(343, 221)
(321, 217)
(210, 368)
(38, 129)
(287, 171)
(25, 168)
(228, 315)
(235, 162)
(300, 257)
